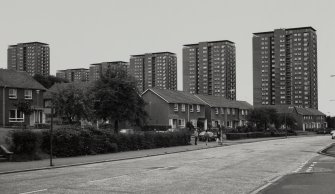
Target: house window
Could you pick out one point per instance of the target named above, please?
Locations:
(217, 111)
(13, 93)
(191, 108)
(242, 112)
(181, 122)
(175, 107)
(246, 112)
(222, 111)
(183, 107)
(228, 111)
(16, 116)
(28, 94)
(233, 111)
(198, 108)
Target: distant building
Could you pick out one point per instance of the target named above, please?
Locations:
(285, 68)
(74, 75)
(154, 70)
(19, 86)
(307, 119)
(31, 57)
(176, 108)
(223, 112)
(98, 69)
(210, 68)
(173, 108)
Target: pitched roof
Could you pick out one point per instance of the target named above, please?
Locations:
(308, 111)
(16, 79)
(281, 109)
(219, 101)
(174, 96)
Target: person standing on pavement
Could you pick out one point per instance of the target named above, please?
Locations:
(196, 135)
(218, 136)
(206, 135)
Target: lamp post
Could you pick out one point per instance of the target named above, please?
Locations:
(285, 126)
(51, 132)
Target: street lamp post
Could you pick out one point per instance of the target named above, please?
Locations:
(285, 126)
(51, 132)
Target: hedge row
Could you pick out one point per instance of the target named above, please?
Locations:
(234, 136)
(75, 141)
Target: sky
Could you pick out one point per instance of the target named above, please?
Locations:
(82, 32)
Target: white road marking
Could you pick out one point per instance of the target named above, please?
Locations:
(266, 185)
(300, 167)
(34, 191)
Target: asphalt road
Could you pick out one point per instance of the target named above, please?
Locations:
(317, 175)
(240, 168)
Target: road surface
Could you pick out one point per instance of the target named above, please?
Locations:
(239, 168)
(316, 176)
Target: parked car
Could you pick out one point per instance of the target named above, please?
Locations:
(323, 131)
(211, 136)
(127, 131)
(333, 134)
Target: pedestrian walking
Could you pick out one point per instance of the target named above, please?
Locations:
(218, 136)
(196, 136)
(206, 135)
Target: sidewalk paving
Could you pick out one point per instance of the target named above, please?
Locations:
(12, 167)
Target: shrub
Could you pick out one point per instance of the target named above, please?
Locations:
(24, 141)
(234, 136)
(42, 126)
(156, 127)
(74, 141)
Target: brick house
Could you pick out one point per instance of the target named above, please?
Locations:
(174, 108)
(307, 118)
(223, 112)
(19, 86)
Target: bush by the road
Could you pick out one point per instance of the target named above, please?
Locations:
(75, 141)
(24, 143)
(234, 136)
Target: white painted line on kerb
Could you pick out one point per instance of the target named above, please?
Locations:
(34, 191)
(266, 185)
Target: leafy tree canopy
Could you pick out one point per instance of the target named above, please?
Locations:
(71, 101)
(263, 117)
(48, 81)
(116, 98)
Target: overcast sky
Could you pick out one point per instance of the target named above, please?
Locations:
(81, 32)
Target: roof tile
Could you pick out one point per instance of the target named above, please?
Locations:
(16, 79)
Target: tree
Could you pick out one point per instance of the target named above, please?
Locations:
(48, 81)
(330, 121)
(259, 117)
(73, 102)
(116, 98)
(189, 126)
(289, 120)
(24, 106)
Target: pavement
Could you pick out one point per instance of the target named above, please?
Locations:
(316, 175)
(14, 167)
(241, 168)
